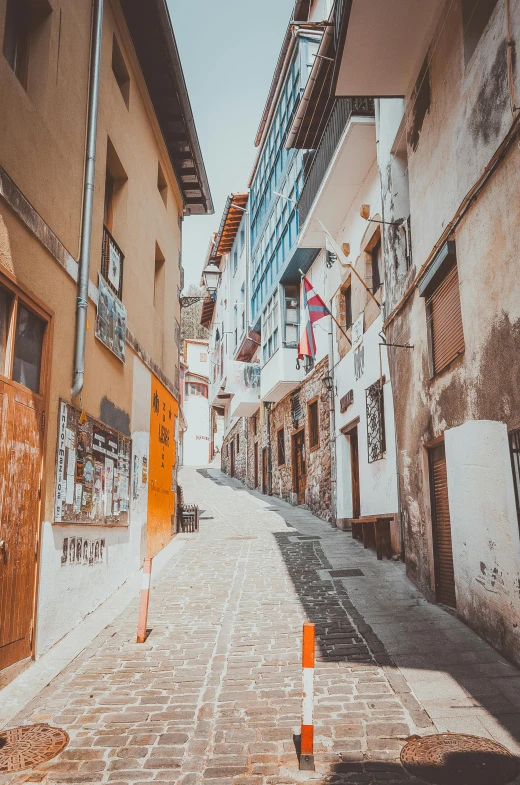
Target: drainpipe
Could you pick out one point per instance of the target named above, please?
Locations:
(269, 453)
(88, 199)
(332, 408)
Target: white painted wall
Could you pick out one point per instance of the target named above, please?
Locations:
(196, 437)
(484, 529)
(197, 357)
(70, 592)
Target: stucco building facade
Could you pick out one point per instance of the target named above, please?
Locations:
(99, 466)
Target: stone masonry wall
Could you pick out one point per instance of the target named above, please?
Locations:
(318, 492)
(236, 435)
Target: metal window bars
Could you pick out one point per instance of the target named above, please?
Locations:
(376, 441)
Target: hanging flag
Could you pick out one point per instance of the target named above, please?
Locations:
(313, 309)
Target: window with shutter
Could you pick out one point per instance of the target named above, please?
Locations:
(314, 428)
(445, 321)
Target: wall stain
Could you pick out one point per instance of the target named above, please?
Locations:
(485, 120)
(421, 101)
(114, 417)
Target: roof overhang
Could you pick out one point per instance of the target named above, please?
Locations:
(248, 347)
(347, 170)
(231, 220)
(151, 31)
(207, 311)
(382, 44)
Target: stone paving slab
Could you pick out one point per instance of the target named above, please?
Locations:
(214, 695)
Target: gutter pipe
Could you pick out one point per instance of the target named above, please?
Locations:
(88, 200)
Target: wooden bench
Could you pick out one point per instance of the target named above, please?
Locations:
(187, 514)
(374, 532)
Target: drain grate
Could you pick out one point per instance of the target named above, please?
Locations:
(308, 537)
(459, 759)
(353, 573)
(27, 746)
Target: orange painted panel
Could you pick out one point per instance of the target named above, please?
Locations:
(162, 475)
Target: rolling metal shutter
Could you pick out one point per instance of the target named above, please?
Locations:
(446, 321)
(445, 577)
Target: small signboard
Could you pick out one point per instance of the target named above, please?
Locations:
(346, 401)
(357, 331)
(111, 320)
(92, 471)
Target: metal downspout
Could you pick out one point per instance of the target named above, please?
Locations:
(332, 408)
(88, 199)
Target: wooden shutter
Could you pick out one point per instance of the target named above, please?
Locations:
(445, 577)
(446, 321)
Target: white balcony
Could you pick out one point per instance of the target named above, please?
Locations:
(279, 375)
(349, 166)
(384, 45)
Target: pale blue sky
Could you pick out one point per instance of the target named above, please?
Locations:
(228, 51)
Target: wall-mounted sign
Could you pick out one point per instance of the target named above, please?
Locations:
(346, 401)
(92, 471)
(111, 320)
(357, 331)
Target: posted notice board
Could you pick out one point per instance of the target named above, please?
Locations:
(92, 471)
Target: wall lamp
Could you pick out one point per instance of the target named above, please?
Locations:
(328, 382)
(211, 277)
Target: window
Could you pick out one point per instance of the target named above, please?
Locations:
(108, 205)
(376, 442)
(28, 345)
(235, 325)
(243, 306)
(194, 388)
(445, 322)
(120, 71)
(238, 442)
(158, 280)
(314, 425)
(242, 238)
(514, 446)
(475, 17)
(377, 265)
(162, 187)
(270, 328)
(235, 260)
(292, 315)
(16, 37)
(347, 304)
(281, 446)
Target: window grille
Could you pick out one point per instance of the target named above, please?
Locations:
(514, 446)
(376, 442)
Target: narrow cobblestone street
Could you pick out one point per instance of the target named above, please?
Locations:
(215, 692)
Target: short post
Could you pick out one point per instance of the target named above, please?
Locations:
(307, 731)
(145, 598)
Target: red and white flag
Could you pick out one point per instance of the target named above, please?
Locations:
(313, 309)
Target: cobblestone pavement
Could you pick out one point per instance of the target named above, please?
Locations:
(214, 695)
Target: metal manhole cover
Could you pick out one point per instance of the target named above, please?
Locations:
(27, 746)
(459, 759)
(352, 573)
(241, 538)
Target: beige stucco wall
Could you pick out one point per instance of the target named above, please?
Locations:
(42, 143)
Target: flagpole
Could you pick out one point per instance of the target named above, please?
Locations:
(340, 253)
(333, 317)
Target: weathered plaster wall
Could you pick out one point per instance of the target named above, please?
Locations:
(237, 430)
(485, 532)
(449, 144)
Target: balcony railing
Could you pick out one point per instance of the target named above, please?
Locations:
(339, 118)
(112, 260)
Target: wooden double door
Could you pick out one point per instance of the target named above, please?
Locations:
(299, 466)
(23, 342)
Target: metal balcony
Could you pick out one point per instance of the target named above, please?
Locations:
(344, 110)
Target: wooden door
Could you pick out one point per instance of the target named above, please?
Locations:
(444, 573)
(20, 474)
(354, 473)
(232, 454)
(300, 468)
(264, 470)
(256, 465)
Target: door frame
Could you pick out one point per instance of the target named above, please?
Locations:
(232, 457)
(265, 471)
(35, 304)
(255, 467)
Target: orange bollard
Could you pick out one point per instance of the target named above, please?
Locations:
(307, 730)
(145, 599)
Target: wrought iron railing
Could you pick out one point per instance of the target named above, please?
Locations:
(112, 260)
(339, 118)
